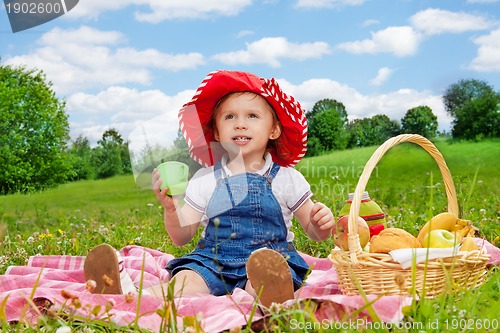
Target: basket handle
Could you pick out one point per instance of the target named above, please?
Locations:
(353, 238)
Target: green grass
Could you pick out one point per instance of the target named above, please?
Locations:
(407, 182)
(118, 194)
(75, 217)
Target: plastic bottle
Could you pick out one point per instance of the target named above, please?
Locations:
(369, 210)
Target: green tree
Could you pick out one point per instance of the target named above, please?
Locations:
(125, 158)
(107, 156)
(182, 153)
(420, 120)
(372, 131)
(81, 159)
(314, 147)
(327, 126)
(381, 129)
(34, 131)
(358, 132)
(474, 106)
(457, 94)
(478, 118)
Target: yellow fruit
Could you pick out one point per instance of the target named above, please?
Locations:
(463, 232)
(463, 223)
(468, 244)
(446, 221)
(473, 231)
(458, 235)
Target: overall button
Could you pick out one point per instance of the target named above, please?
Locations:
(290, 246)
(201, 245)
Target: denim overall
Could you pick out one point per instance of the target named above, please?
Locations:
(244, 216)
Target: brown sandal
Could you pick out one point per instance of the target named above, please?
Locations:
(101, 265)
(270, 276)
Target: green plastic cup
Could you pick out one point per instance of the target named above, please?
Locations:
(174, 175)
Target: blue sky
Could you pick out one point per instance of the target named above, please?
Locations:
(131, 64)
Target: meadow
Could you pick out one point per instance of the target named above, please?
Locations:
(407, 184)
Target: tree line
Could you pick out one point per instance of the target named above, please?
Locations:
(329, 128)
(473, 105)
(36, 151)
(109, 158)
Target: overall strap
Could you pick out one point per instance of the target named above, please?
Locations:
(218, 171)
(272, 172)
(218, 177)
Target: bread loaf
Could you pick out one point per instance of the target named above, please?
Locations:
(391, 239)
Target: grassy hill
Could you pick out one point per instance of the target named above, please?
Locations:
(407, 167)
(406, 183)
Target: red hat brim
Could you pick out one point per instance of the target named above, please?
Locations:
(195, 117)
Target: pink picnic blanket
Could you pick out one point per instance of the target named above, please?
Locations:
(58, 279)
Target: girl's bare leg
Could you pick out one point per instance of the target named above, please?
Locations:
(186, 282)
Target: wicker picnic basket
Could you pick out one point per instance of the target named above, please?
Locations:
(379, 274)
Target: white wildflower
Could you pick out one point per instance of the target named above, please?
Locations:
(103, 230)
(64, 329)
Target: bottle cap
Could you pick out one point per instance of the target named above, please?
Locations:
(365, 196)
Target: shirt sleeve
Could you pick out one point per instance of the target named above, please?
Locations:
(200, 188)
(297, 189)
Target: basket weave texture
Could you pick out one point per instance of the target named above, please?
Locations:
(379, 274)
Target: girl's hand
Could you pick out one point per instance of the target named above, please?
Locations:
(180, 223)
(166, 201)
(322, 217)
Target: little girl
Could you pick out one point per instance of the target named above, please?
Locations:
(248, 134)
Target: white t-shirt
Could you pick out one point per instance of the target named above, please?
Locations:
(289, 187)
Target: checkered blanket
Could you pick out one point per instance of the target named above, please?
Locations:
(60, 280)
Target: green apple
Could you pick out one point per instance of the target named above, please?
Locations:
(439, 238)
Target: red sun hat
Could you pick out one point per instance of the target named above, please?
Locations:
(195, 117)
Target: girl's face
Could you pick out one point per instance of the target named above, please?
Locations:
(245, 122)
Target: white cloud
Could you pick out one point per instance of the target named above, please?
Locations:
(488, 53)
(437, 21)
(327, 3)
(245, 33)
(370, 22)
(271, 50)
(190, 9)
(393, 104)
(402, 41)
(405, 40)
(383, 75)
(83, 35)
(125, 109)
(160, 10)
(89, 58)
(155, 59)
